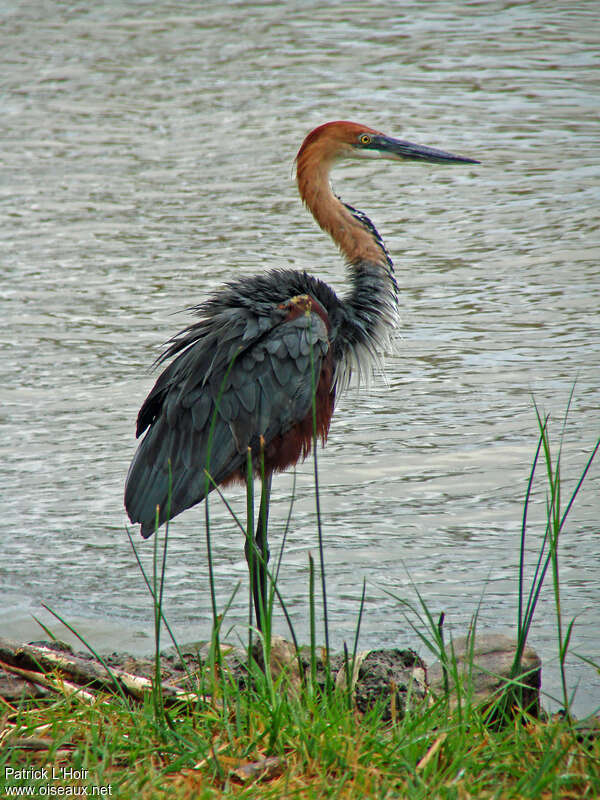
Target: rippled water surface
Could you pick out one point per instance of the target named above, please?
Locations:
(147, 156)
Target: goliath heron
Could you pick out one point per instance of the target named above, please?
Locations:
(243, 377)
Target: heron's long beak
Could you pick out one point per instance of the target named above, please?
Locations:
(395, 148)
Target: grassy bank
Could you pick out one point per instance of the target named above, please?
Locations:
(272, 737)
(317, 746)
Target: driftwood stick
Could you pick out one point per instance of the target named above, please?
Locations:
(82, 671)
(60, 685)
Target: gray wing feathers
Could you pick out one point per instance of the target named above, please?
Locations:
(245, 377)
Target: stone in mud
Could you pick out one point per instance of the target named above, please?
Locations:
(492, 656)
(389, 675)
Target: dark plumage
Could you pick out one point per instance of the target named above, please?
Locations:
(250, 354)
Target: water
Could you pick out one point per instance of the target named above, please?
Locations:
(147, 156)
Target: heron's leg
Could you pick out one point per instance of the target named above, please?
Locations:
(260, 556)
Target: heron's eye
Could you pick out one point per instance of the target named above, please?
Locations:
(364, 138)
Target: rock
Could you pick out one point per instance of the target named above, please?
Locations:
(492, 659)
(390, 675)
(282, 659)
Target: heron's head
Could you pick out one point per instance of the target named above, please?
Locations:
(338, 140)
